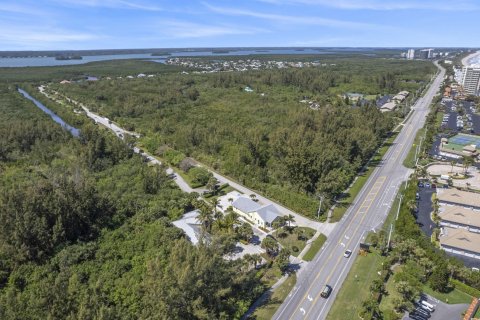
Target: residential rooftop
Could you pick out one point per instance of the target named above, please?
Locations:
(463, 198)
(460, 215)
(461, 239)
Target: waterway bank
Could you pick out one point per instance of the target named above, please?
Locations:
(74, 131)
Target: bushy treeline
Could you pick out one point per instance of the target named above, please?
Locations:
(266, 139)
(85, 231)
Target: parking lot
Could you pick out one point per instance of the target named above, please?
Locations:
(425, 208)
(460, 117)
(443, 311)
(453, 122)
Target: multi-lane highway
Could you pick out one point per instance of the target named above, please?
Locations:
(368, 212)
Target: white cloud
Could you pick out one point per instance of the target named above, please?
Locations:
(286, 19)
(118, 4)
(386, 5)
(180, 29)
(34, 38)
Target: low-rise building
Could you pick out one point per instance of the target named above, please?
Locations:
(389, 106)
(263, 216)
(460, 217)
(460, 241)
(190, 225)
(458, 197)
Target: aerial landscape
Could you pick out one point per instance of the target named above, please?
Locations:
(263, 159)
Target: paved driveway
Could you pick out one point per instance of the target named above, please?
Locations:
(425, 207)
(444, 311)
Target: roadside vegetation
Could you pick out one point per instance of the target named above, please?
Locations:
(347, 198)
(413, 265)
(268, 308)
(315, 247)
(85, 231)
(266, 139)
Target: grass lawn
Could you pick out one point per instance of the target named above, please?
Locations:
(315, 247)
(409, 161)
(356, 287)
(188, 179)
(453, 297)
(289, 239)
(386, 305)
(477, 314)
(268, 309)
(343, 205)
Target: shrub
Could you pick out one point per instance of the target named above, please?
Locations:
(199, 175)
(465, 288)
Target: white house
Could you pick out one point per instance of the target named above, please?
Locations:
(190, 225)
(263, 216)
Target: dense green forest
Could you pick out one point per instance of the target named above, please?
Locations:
(85, 231)
(265, 139)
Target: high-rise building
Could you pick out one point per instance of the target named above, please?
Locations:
(471, 79)
(410, 54)
(426, 53)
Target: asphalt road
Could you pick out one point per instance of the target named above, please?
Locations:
(366, 213)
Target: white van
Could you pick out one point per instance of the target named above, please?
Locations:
(430, 307)
(445, 177)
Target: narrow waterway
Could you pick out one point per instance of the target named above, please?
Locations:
(74, 131)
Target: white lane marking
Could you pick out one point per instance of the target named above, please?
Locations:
(342, 244)
(309, 298)
(302, 311)
(341, 274)
(347, 237)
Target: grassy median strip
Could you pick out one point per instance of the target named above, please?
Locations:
(409, 161)
(356, 287)
(268, 309)
(362, 178)
(315, 247)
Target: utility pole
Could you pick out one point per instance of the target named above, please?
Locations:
(389, 237)
(320, 205)
(399, 205)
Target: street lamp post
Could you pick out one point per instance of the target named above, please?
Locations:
(320, 205)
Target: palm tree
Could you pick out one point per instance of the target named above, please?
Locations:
(275, 226)
(412, 205)
(452, 163)
(467, 162)
(270, 246)
(299, 232)
(256, 259)
(230, 221)
(215, 203)
(205, 217)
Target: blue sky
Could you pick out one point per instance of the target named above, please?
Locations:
(97, 24)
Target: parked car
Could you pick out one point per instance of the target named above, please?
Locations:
(427, 185)
(417, 196)
(420, 184)
(347, 253)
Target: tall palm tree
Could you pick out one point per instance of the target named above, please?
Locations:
(230, 221)
(467, 162)
(452, 163)
(205, 216)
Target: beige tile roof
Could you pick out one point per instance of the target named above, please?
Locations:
(462, 215)
(469, 199)
(461, 238)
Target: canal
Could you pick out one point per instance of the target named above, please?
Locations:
(74, 131)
